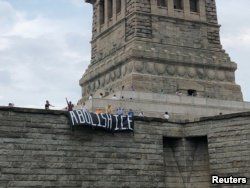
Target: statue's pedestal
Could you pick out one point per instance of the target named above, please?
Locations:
(155, 105)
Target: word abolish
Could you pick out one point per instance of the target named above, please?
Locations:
(229, 180)
(112, 123)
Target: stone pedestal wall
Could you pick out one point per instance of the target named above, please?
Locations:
(160, 49)
(38, 149)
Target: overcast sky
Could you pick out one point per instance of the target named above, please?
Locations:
(44, 48)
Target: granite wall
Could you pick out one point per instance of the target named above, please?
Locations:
(38, 149)
(159, 49)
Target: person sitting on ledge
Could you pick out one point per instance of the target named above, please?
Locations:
(101, 95)
(47, 105)
(141, 114)
(70, 105)
(179, 93)
(166, 116)
(114, 97)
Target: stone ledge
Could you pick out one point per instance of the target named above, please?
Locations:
(136, 118)
(61, 112)
(160, 120)
(226, 116)
(202, 119)
(33, 110)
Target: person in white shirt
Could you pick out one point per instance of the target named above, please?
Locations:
(141, 114)
(101, 95)
(84, 108)
(179, 93)
(114, 97)
(166, 115)
(90, 97)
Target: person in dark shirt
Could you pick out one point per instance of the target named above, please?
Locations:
(11, 105)
(47, 105)
(70, 105)
(130, 113)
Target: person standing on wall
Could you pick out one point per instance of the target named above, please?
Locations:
(70, 105)
(109, 109)
(47, 105)
(130, 113)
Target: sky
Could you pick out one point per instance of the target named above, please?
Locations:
(44, 48)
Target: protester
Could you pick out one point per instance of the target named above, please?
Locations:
(119, 111)
(109, 109)
(47, 105)
(90, 97)
(11, 105)
(101, 95)
(130, 113)
(179, 93)
(141, 114)
(114, 97)
(70, 105)
(166, 115)
(99, 111)
(84, 108)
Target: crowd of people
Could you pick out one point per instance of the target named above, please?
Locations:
(121, 111)
(109, 109)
